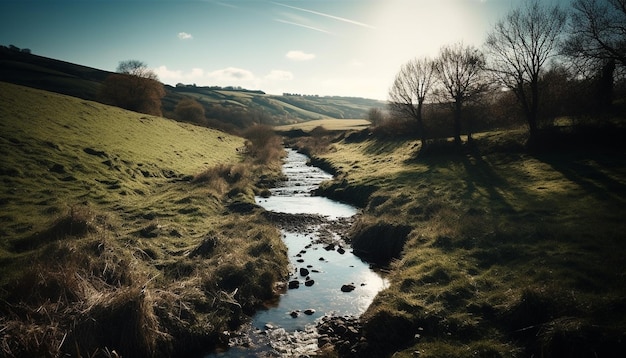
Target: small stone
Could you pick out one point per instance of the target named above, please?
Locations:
(309, 283)
(303, 271)
(347, 288)
(294, 314)
(294, 284)
(341, 250)
(309, 311)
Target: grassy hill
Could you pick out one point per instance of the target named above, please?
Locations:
(495, 251)
(117, 224)
(221, 104)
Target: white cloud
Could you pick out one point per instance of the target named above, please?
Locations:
(279, 75)
(296, 55)
(230, 74)
(167, 75)
(184, 36)
(175, 76)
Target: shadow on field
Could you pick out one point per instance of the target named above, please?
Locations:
(589, 171)
(482, 177)
(383, 146)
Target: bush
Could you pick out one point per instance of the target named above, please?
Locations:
(133, 93)
(190, 110)
(263, 144)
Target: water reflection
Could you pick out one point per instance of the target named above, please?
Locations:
(330, 270)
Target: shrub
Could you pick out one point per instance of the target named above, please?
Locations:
(133, 93)
(263, 144)
(190, 110)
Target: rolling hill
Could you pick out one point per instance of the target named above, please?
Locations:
(223, 104)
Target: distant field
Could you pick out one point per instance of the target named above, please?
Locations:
(328, 124)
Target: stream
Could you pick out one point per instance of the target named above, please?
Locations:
(323, 267)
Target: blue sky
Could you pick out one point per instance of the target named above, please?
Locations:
(324, 47)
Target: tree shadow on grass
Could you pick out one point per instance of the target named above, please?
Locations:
(600, 174)
(481, 176)
(386, 146)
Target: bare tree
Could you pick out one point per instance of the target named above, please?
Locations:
(376, 116)
(519, 46)
(409, 90)
(135, 88)
(460, 73)
(136, 68)
(597, 35)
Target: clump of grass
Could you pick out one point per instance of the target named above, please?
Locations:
(78, 221)
(221, 178)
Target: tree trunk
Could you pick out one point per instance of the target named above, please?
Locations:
(457, 121)
(605, 86)
(420, 124)
(533, 113)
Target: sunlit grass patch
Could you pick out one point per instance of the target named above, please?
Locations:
(329, 124)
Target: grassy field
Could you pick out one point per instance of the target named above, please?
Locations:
(122, 231)
(493, 252)
(329, 124)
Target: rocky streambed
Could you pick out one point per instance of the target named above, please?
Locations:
(329, 287)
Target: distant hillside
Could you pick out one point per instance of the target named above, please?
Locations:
(224, 107)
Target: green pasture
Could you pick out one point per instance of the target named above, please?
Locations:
(330, 124)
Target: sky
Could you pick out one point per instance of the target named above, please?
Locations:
(312, 47)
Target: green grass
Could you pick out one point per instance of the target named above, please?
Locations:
(329, 124)
(58, 151)
(509, 254)
(107, 232)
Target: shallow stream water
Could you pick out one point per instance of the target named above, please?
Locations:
(287, 328)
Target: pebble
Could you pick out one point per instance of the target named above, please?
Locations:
(347, 288)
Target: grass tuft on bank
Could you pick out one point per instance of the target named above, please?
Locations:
(111, 240)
